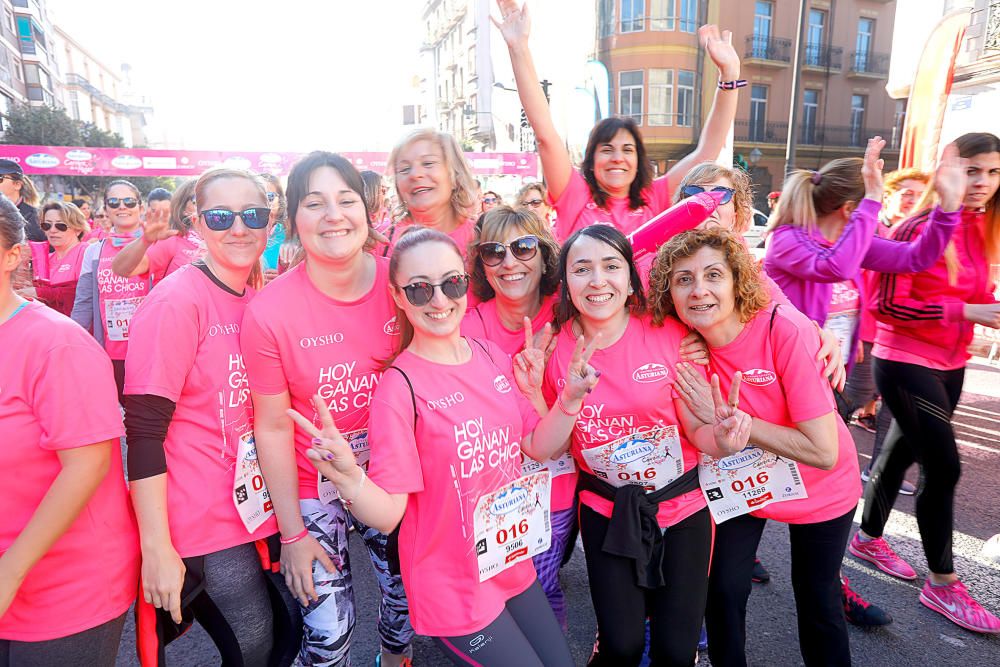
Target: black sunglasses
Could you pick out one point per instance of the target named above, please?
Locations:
(692, 190)
(493, 252)
(420, 293)
(533, 203)
(221, 219)
(115, 202)
(61, 226)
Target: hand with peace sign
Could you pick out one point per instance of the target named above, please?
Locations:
(330, 452)
(581, 377)
(529, 363)
(731, 426)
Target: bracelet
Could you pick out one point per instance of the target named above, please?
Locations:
(732, 85)
(562, 407)
(347, 503)
(294, 538)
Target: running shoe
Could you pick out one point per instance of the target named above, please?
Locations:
(407, 662)
(954, 603)
(859, 611)
(878, 552)
(867, 422)
(905, 488)
(760, 574)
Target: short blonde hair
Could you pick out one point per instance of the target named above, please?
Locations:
(707, 172)
(464, 202)
(71, 215)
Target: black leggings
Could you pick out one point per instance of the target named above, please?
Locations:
(817, 550)
(675, 611)
(525, 634)
(118, 365)
(97, 647)
(922, 400)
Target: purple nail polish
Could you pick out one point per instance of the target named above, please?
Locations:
(328, 456)
(590, 389)
(316, 442)
(597, 373)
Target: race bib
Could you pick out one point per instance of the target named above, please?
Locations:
(650, 458)
(842, 325)
(359, 445)
(253, 502)
(561, 466)
(118, 314)
(748, 481)
(513, 523)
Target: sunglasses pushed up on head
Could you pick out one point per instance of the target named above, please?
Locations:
(421, 292)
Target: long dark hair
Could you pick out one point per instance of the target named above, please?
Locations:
(565, 310)
(603, 133)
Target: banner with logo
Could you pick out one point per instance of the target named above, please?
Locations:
(125, 162)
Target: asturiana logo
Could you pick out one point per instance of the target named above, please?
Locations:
(126, 162)
(391, 328)
(42, 160)
(78, 155)
(508, 501)
(630, 450)
(501, 384)
(650, 372)
(759, 377)
(741, 459)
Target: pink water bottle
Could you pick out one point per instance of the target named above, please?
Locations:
(40, 259)
(686, 214)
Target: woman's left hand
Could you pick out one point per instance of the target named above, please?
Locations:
(720, 50)
(330, 452)
(832, 358)
(694, 349)
(529, 363)
(581, 377)
(732, 425)
(696, 393)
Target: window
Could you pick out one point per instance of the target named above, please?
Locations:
(685, 98)
(814, 37)
(632, 15)
(758, 112)
(18, 74)
(898, 120)
(74, 105)
(858, 103)
(471, 62)
(661, 14)
(24, 34)
(661, 96)
(689, 15)
(810, 109)
(863, 44)
(606, 17)
(763, 13)
(630, 95)
(9, 15)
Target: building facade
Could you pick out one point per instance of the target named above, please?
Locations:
(28, 70)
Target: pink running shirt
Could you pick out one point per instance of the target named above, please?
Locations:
(186, 347)
(118, 297)
(466, 444)
(299, 340)
(91, 574)
(170, 254)
(67, 269)
(576, 207)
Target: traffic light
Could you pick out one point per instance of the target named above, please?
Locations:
(740, 162)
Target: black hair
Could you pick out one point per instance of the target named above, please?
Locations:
(603, 133)
(298, 182)
(158, 194)
(122, 181)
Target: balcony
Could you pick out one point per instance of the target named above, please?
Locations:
(817, 57)
(869, 65)
(95, 94)
(768, 51)
(747, 132)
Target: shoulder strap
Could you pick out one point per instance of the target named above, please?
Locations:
(770, 325)
(385, 253)
(413, 396)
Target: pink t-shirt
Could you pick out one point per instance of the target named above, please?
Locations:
(461, 235)
(170, 254)
(96, 234)
(634, 395)
(186, 347)
(67, 269)
(297, 339)
(783, 384)
(465, 444)
(90, 574)
(843, 318)
(576, 208)
(118, 297)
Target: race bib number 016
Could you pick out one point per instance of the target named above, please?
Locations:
(513, 523)
(748, 481)
(560, 466)
(651, 458)
(250, 495)
(359, 445)
(118, 314)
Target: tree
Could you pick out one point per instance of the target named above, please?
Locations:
(41, 126)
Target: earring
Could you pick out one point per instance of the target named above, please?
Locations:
(631, 291)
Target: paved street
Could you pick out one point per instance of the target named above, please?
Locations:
(917, 637)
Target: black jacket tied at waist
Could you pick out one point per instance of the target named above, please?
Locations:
(633, 531)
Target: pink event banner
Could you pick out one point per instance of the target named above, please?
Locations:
(82, 161)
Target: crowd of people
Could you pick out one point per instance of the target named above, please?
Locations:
(467, 385)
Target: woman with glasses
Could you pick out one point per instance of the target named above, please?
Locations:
(615, 184)
(320, 329)
(206, 527)
(447, 430)
(489, 201)
(533, 196)
(277, 231)
(101, 226)
(64, 227)
(105, 302)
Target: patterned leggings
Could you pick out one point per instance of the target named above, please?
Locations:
(547, 563)
(329, 623)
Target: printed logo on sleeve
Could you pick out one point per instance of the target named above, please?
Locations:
(651, 372)
(391, 327)
(501, 384)
(759, 377)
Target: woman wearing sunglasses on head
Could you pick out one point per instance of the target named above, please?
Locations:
(68, 546)
(615, 183)
(447, 431)
(105, 302)
(64, 227)
(203, 510)
(319, 329)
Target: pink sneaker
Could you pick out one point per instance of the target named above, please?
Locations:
(878, 552)
(954, 603)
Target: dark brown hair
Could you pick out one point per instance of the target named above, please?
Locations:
(603, 133)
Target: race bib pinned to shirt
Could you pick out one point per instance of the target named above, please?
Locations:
(650, 458)
(748, 481)
(513, 523)
(118, 316)
(358, 440)
(562, 465)
(250, 495)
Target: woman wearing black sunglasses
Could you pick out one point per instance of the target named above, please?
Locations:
(64, 226)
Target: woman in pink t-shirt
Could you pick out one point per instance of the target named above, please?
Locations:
(68, 546)
(321, 329)
(447, 431)
(64, 227)
(205, 517)
(801, 468)
(615, 184)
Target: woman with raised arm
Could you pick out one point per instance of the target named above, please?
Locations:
(615, 184)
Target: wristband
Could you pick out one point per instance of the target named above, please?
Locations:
(294, 538)
(562, 407)
(347, 503)
(732, 85)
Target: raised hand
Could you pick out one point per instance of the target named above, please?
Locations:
(529, 363)
(330, 451)
(696, 393)
(581, 377)
(515, 25)
(157, 227)
(871, 169)
(732, 425)
(950, 179)
(720, 49)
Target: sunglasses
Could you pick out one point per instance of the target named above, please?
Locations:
(421, 293)
(492, 252)
(533, 203)
(489, 200)
(220, 219)
(100, 216)
(115, 202)
(692, 190)
(9, 177)
(61, 226)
